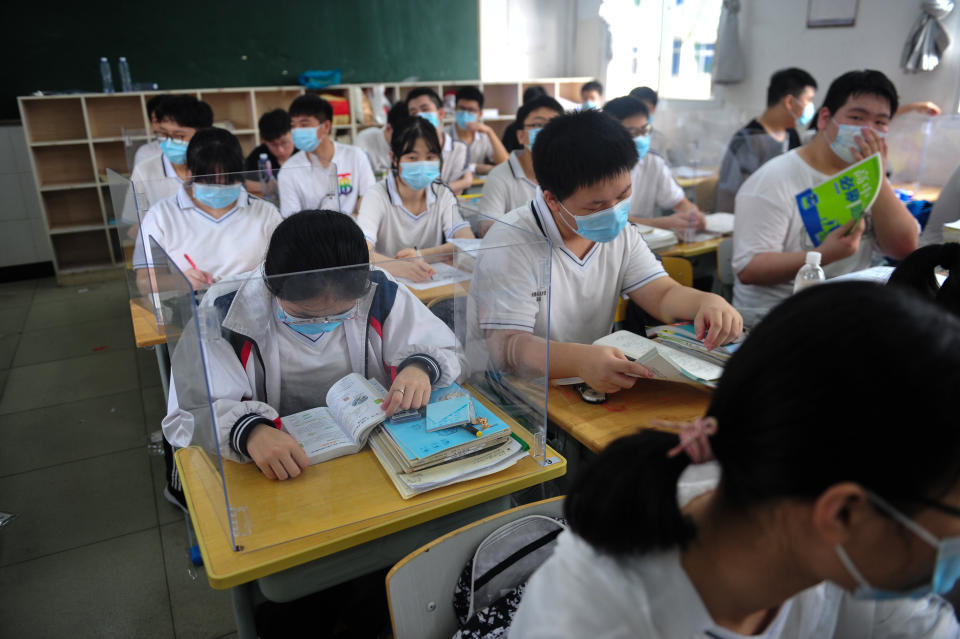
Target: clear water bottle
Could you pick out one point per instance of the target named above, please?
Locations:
(265, 174)
(690, 231)
(126, 84)
(810, 274)
(105, 76)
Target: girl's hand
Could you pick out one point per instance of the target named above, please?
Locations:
(410, 389)
(276, 453)
(406, 253)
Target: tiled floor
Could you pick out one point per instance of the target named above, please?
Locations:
(94, 550)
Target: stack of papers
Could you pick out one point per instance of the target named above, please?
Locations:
(446, 274)
(657, 238)
(683, 337)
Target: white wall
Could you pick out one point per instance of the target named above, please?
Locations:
(774, 36)
(23, 238)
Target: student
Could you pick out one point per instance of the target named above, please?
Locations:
(160, 176)
(648, 96)
(945, 209)
(514, 183)
(591, 95)
(485, 148)
(277, 144)
(653, 185)
(823, 524)
(211, 220)
(583, 162)
(152, 148)
(509, 138)
(769, 239)
(307, 328)
(411, 214)
(425, 103)
(323, 174)
(789, 107)
(376, 142)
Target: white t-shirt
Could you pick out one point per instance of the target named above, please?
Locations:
(579, 592)
(146, 151)
(154, 180)
(391, 227)
(506, 188)
(768, 221)
(372, 141)
(305, 184)
(311, 365)
(455, 159)
(583, 294)
(653, 187)
(480, 151)
(230, 245)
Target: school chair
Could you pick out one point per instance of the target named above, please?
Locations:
(420, 586)
(725, 268)
(705, 193)
(452, 310)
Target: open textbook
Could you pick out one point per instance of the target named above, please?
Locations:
(342, 427)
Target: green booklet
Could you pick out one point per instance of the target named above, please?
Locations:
(842, 198)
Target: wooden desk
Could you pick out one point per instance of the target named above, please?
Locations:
(145, 331)
(624, 413)
(692, 249)
(479, 181)
(690, 182)
(447, 290)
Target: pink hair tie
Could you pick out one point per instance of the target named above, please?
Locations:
(694, 438)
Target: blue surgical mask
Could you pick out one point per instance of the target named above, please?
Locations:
(217, 196)
(419, 175)
(845, 139)
(464, 118)
(946, 570)
(431, 117)
(312, 328)
(806, 116)
(643, 145)
(601, 226)
(589, 104)
(305, 138)
(532, 135)
(175, 150)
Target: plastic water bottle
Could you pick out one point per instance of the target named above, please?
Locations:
(106, 76)
(810, 274)
(265, 174)
(690, 231)
(125, 83)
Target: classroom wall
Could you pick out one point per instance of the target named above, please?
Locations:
(774, 35)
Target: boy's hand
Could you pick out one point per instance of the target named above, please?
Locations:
(410, 389)
(843, 241)
(413, 270)
(198, 279)
(716, 322)
(276, 453)
(405, 253)
(606, 369)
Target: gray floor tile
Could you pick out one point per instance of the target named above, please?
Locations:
(147, 367)
(116, 588)
(166, 512)
(199, 611)
(17, 293)
(8, 346)
(85, 338)
(48, 291)
(69, 432)
(12, 318)
(75, 504)
(51, 383)
(67, 312)
(4, 374)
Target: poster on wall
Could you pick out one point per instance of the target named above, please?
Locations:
(831, 13)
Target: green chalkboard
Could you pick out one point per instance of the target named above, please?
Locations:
(230, 44)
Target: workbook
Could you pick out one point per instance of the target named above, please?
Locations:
(843, 197)
(341, 427)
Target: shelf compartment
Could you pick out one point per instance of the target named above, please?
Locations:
(247, 142)
(110, 115)
(76, 207)
(62, 165)
(53, 120)
(230, 105)
(110, 155)
(82, 250)
(276, 99)
(570, 90)
(503, 97)
(547, 86)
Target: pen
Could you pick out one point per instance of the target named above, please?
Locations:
(193, 265)
(476, 431)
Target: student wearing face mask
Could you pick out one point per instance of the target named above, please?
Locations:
(769, 239)
(425, 103)
(411, 214)
(277, 144)
(653, 185)
(773, 516)
(160, 176)
(376, 141)
(583, 162)
(790, 107)
(323, 174)
(591, 95)
(211, 221)
(292, 329)
(485, 148)
(152, 148)
(514, 183)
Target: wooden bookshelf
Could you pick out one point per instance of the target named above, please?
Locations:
(74, 139)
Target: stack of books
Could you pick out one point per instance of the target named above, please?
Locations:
(683, 337)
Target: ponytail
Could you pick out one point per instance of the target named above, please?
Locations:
(625, 501)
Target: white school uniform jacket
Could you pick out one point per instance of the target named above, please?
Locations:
(244, 368)
(506, 188)
(305, 184)
(583, 293)
(390, 227)
(146, 151)
(230, 245)
(372, 141)
(154, 179)
(653, 187)
(480, 151)
(580, 592)
(456, 160)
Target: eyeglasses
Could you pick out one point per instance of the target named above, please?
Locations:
(634, 131)
(300, 321)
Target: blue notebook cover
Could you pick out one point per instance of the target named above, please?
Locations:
(448, 413)
(416, 443)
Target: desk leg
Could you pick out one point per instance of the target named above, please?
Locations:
(163, 363)
(243, 610)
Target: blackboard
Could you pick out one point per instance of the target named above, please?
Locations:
(180, 44)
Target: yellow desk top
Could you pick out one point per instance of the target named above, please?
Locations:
(144, 326)
(439, 292)
(691, 249)
(479, 180)
(333, 506)
(624, 413)
(689, 182)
